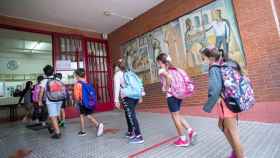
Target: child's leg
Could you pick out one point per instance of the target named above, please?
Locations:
(230, 125)
(55, 124)
(93, 120)
(222, 128)
(82, 122)
(132, 107)
(127, 110)
(185, 124)
(62, 114)
(178, 123)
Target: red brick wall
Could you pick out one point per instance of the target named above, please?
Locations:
(258, 33)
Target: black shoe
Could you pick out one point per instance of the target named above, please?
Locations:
(50, 130)
(56, 136)
(82, 133)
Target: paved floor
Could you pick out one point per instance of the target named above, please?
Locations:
(261, 140)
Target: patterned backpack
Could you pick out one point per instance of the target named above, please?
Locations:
(181, 85)
(237, 89)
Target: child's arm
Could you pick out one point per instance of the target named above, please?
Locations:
(166, 80)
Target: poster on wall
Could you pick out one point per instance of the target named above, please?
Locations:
(183, 38)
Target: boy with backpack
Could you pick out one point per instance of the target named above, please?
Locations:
(85, 98)
(231, 92)
(54, 92)
(128, 89)
(177, 86)
(61, 121)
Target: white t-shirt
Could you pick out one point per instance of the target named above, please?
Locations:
(118, 83)
(220, 28)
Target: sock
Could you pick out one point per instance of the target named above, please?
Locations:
(183, 137)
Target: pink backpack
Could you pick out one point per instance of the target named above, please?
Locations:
(181, 85)
(36, 93)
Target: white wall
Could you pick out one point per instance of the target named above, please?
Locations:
(27, 63)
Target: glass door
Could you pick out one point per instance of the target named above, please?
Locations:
(98, 72)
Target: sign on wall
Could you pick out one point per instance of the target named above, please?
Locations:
(210, 25)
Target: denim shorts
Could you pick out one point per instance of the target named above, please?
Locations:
(174, 104)
(53, 108)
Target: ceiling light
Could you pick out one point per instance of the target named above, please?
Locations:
(110, 13)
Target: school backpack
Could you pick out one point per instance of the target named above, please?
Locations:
(89, 99)
(237, 90)
(133, 85)
(181, 84)
(55, 90)
(36, 93)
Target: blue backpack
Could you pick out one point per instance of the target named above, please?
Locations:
(133, 85)
(89, 99)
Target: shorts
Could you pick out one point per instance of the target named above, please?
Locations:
(53, 108)
(223, 111)
(174, 104)
(85, 111)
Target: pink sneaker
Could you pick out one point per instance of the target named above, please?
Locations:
(181, 143)
(192, 136)
(232, 155)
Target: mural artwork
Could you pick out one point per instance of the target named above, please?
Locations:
(211, 25)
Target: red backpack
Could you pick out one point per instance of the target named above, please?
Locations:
(55, 90)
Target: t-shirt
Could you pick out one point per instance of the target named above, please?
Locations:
(118, 83)
(220, 28)
(43, 84)
(78, 91)
(163, 81)
(27, 97)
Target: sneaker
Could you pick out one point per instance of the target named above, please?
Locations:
(232, 155)
(129, 135)
(136, 140)
(192, 137)
(50, 129)
(61, 123)
(181, 143)
(100, 130)
(82, 133)
(56, 136)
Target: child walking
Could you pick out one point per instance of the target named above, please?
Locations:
(84, 111)
(227, 119)
(174, 104)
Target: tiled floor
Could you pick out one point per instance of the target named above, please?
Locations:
(262, 112)
(261, 140)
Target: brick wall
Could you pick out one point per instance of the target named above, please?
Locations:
(31, 25)
(258, 33)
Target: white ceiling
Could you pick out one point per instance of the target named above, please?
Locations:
(24, 42)
(82, 14)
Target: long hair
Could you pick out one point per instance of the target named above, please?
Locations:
(165, 59)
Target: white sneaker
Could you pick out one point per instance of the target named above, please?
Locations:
(100, 130)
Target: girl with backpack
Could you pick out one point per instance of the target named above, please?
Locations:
(128, 91)
(40, 112)
(173, 101)
(227, 119)
(26, 95)
(82, 97)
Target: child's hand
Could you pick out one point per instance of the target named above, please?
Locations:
(140, 101)
(118, 105)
